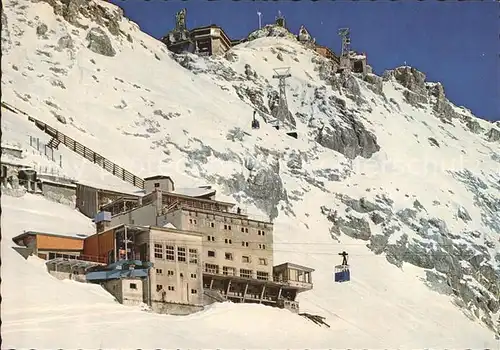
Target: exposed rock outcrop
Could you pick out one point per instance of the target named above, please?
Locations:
(352, 141)
(99, 42)
(493, 135)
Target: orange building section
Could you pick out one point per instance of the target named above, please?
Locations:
(45, 242)
(99, 245)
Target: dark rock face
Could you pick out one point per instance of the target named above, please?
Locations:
(354, 227)
(65, 42)
(100, 43)
(442, 107)
(71, 10)
(375, 83)
(41, 29)
(474, 126)
(352, 141)
(493, 135)
(410, 78)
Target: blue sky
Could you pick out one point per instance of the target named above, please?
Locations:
(456, 43)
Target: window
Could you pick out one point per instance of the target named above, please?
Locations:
(262, 261)
(225, 227)
(194, 291)
(244, 244)
(157, 184)
(212, 224)
(229, 256)
(246, 229)
(211, 268)
(193, 256)
(171, 288)
(159, 271)
(193, 275)
(245, 259)
(181, 254)
(242, 229)
(258, 232)
(229, 271)
(262, 246)
(170, 273)
(211, 254)
(192, 221)
(262, 275)
(229, 227)
(159, 287)
(245, 273)
(170, 252)
(158, 251)
(211, 238)
(228, 241)
(133, 286)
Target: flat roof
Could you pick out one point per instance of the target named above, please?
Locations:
(173, 194)
(113, 189)
(158, 177)
(148, 228)
(250, 280)
(293, 266)
(62, 184)
(195, 191)
(79, 236)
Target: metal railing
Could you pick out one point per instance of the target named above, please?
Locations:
(82, 150)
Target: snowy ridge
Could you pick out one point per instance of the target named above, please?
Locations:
(384, 168)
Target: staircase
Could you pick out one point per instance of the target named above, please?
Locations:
(77, 147)
(214, 295)
(53, 143)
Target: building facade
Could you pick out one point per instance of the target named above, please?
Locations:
(174, 283)
(206, 41)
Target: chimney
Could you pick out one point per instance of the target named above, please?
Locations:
(102, 221)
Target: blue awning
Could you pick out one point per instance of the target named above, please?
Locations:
(116, 274)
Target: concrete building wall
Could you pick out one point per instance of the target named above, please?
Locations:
(86, 200)
(127, 291)
(58, 193)
(248, 243)
(145, 215)
(176, 274)
(164, 185)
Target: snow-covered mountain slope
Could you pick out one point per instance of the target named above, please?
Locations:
(384, 168)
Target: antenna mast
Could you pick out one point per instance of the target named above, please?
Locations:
(345, 34)
(281, 75)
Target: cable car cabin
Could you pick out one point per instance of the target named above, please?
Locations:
(342, 273)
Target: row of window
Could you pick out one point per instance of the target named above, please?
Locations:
(227, 227)
(169, 253)
(230, 241)
(171, 273)
(229, 256)
(231, 271)
(159, 288)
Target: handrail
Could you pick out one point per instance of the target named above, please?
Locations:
(82, 150)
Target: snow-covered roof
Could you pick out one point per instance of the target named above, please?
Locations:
(64, 235)
(65, 184)
(124, 188)
(169, 225)
(194, 192)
